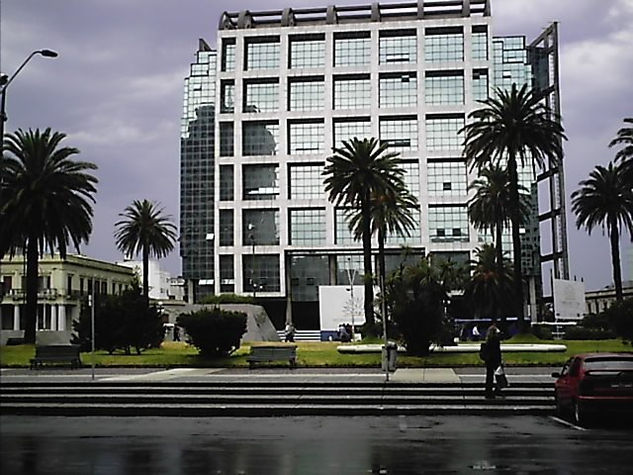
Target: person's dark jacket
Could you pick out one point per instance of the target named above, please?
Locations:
(493, 349)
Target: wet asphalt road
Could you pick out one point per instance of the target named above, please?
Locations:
(310, 445)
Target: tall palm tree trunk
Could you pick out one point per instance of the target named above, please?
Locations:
(515, 218)
(32, 261)
(146, 273)
(368, 281)
(499, 244)
(614, 236)
(381, 263)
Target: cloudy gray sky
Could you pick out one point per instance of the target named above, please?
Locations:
(116, 90)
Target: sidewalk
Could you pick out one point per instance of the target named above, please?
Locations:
(299, 375)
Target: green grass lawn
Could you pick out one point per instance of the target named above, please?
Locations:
(317, 354)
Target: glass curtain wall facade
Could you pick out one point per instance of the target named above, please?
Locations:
(291, 89)
(197, 172)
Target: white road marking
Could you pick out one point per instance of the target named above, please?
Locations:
(565, 423)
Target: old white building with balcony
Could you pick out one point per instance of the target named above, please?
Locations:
(63, 286)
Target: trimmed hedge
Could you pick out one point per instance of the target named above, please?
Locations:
(227, 298)
(543, 332)
(582, 333)
(214, 332)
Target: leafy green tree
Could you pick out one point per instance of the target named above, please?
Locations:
(122, 322)
(215, 332)
(357, 171)
(516, 127)
(491, 205)
(490, 288)
(606, 199)
(147, 230)
(47, 203)
(416, 297)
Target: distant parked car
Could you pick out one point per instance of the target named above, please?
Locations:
(595, 383)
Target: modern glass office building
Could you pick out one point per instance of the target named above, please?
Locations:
(197, 162)
(292, 84)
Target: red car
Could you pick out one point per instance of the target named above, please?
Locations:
(595, 383)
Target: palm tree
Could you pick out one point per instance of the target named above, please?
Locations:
(48, 205)
(606, 199)
(625, 138)
(490, 285)
(391, 213)
(147, 230)
(357, 171)
(491, 206)
(517, 127)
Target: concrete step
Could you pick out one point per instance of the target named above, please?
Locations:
(300, 398)
(247, 390)
(266, 410)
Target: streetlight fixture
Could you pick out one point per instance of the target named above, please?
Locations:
(5, 80)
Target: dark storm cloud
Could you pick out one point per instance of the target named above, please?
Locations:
(117, 89)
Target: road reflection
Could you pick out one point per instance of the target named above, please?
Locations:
(309, 446)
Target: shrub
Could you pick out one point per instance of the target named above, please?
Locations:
(582, 333)
(620, 319)
(542, 332)
(214, 332)
(227, 298)
(122, 322)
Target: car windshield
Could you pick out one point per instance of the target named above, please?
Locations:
(611, 364)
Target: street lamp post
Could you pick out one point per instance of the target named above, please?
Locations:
(5, 80)
(251, 228)
(351, 276)
(4, 84)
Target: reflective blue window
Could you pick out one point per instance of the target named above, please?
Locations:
(305, 138)
(306, 94)
(443, 45)
(307, 52)
(307, 227)
(480, 43)
(442, 132)
(346, 129)
(448, 223)
(260, 138)
(444, 88)
(352, 50)
(260, 182)
(397, 48)
(447, 178)
(480, 84)
(400, 90)
(261, 96)
(306, 181)
(352, 92)
(262, 53)
(400, 134)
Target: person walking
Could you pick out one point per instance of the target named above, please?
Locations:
(289, 332)
(492, 359)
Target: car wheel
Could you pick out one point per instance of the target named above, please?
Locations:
(560, 412)
(578, 414)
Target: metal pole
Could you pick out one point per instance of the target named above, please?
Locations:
(92, 324)
(351, 276)
(253, 267)
(384, 327)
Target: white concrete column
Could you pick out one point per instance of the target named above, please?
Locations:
(54, 317)
(16, 317)
(61, 318)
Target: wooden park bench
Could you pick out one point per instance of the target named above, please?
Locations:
(56, 354)
(277, 352)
